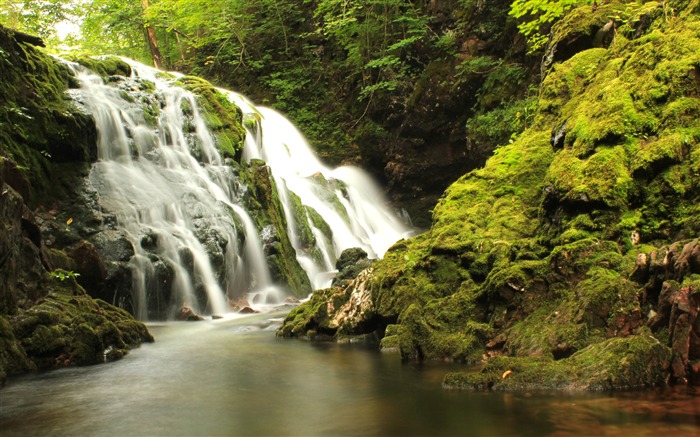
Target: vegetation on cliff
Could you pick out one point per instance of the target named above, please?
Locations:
(415, 92)
(570, 259)
(47, 320)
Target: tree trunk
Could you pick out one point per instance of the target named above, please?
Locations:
(152, 40)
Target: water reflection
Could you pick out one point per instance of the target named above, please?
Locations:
(233, 377)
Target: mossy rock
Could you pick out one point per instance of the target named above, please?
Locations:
(634, 362)
(13, 359)
(265, 207)
(103, 66)
(222, 117)
(530, 257)
(40, 127)
(313, 318)
(68, 327)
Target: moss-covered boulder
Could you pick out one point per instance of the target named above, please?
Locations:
(40, 127)
(568, 260)
(263, 203)
(634, 362)
(46, 146)
(103, 66)
(223, 118)
(68, 327)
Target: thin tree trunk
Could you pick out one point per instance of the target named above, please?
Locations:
(152, 40)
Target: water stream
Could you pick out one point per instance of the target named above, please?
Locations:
(234, 377)
(179, 203)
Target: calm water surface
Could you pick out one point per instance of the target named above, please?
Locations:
(234, 377)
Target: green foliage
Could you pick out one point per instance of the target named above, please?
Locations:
(537, 16)
(378, 37)
(37, 17)
(62, 275)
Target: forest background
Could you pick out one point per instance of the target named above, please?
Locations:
(416, 92)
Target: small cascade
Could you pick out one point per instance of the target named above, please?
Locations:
(163, 184)
(346, 198)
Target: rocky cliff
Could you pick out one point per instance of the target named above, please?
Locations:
(571, 259)
(47, 320)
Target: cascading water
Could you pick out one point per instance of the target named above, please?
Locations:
(162, 178)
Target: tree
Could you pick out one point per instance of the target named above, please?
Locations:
(152, 39)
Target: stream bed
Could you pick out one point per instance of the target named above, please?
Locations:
(235, 377)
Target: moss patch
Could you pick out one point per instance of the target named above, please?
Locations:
(223, 118)
(68, 327)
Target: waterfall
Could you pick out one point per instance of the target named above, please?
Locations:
(161, 178)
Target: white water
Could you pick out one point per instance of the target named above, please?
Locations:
(177, 201)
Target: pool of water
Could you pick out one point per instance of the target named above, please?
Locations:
(234, 377)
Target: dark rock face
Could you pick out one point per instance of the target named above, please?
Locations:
(88, 264)
(673, 294)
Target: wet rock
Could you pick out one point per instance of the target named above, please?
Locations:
(270, 240)
(558, 137)
(113, 245)
(12, 176)
(350, 263)
(68, 327)
(188, 314)
(88, 264)
(247, 310)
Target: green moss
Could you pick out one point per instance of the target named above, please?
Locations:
(622, 363)
(634, 362)
(568, 79)
(266, 208)
(312, 318)
(497, 203)
(604, 177)
(223, 118)
(13, 358)
(531, 255)
(39, 125)
(104, 66)
(67, 327)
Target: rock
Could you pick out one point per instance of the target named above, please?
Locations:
(558, 137)
(68, 327)
(238, 304)
(88, 264)
(634, 362)
(12, 176)
(350, 263)
(358, 309)
(247, 310)
(113, 245)
(685, 335)
(188, 314)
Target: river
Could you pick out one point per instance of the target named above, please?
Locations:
(235, 377)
